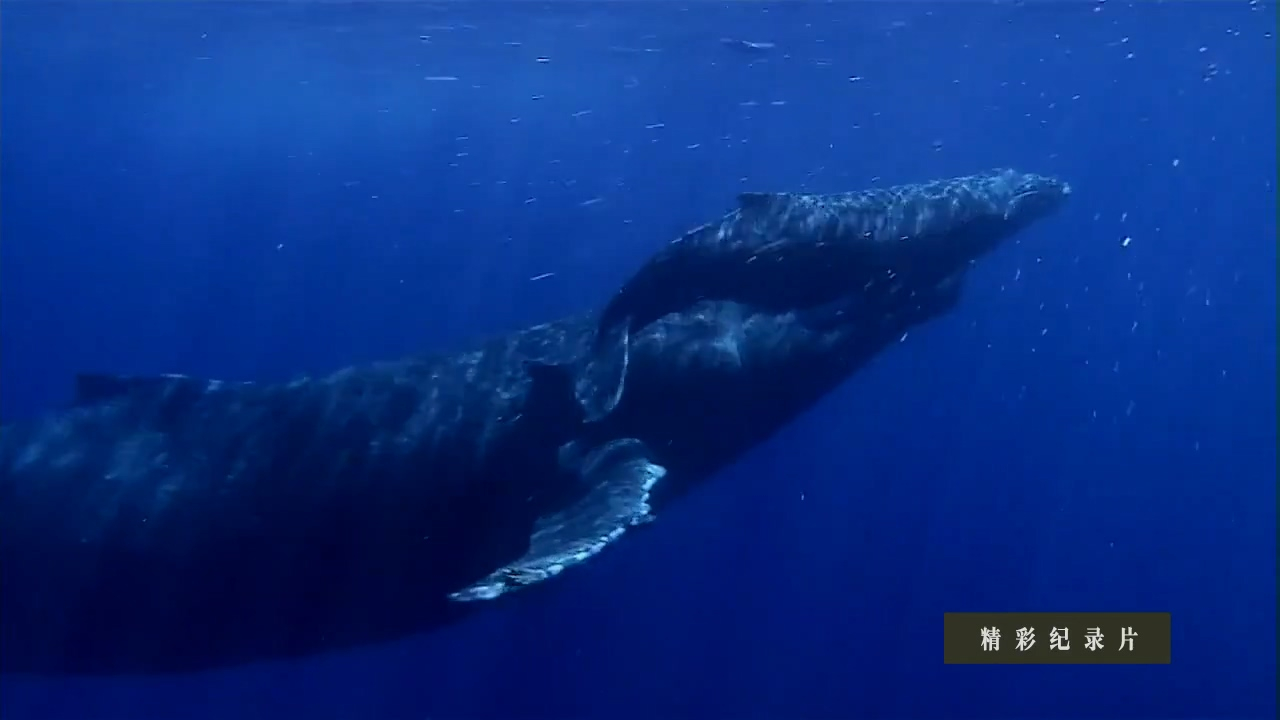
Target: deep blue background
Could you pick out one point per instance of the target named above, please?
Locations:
(251, 191)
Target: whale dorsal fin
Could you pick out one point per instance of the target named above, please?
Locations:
(619, 476)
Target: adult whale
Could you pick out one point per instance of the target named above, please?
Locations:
(172, 524)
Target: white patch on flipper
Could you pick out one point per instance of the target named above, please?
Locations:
(618, 500)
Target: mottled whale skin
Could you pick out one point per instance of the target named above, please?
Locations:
(169, 524)
(784, 250)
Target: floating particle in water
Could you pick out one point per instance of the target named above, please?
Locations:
(747, 46)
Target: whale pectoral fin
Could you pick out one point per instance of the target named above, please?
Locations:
(599, 386)
(619, 476)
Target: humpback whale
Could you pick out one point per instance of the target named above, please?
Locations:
(172, 524)
(783, 250)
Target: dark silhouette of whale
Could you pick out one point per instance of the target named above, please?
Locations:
(783, 250)
(166, 524)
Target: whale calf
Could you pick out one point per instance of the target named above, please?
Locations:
(172, 524)
(784, 250)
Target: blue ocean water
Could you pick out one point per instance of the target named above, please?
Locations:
(253, 190)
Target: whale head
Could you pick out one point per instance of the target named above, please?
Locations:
(1027, 197)
(937, 229)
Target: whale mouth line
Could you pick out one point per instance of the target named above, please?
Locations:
(1012, 205)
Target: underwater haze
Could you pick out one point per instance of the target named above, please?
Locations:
(258, 190)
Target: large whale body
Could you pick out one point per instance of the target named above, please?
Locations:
(165, 524)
